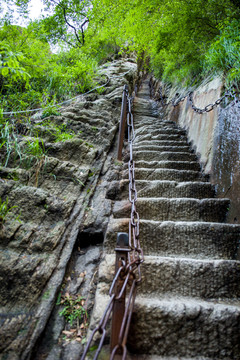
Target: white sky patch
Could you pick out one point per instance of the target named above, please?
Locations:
(36, 9)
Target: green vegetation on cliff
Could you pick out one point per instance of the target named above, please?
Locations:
(184, 39)
(180, 40)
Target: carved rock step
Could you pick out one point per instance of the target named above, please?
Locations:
(162, 143)
(188, 239)
(157, 148)
(165, 155)
(166, 188)
(119, 190)
(147, 123)
(144, 89)
(180, 165)
(175, 209)
(179, 328)
(144, 93)
(169, 131)
(141, 120)
(185, 327)
(147, 112)
(158, 137)
(205, 279)
(167, 174)
(146, 120)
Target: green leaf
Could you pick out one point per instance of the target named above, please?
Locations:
(5, 71)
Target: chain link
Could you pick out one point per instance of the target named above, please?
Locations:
(128, 273)
(136, 257)
(206, 109)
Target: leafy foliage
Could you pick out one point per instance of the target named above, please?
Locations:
(223, 54)
(179, 39)
(73, 309)
(9, 141)
(175, 34)
(35, 148)
(32, 76)
(5, 210)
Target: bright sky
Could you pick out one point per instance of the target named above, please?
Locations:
(35, 10)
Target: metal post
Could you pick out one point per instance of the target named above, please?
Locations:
(122, 250)
(122, 123)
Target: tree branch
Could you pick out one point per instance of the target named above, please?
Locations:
(73, 27)
(82, 30)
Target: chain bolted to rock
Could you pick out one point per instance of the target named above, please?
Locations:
(128, 274)
(176, 101)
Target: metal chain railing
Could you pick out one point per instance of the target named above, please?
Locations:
(129, 256)
(210, 107)
(176, 101)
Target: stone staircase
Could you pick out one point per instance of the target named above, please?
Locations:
(187, 306)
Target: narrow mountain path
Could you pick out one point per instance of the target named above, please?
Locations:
(187, 306)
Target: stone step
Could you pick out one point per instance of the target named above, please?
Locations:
(138, 120)
(185, 327)
(179, 327)
(165, 155)
(189, 239)
(105, 354)
(171, 148)
(156, 131)
(119, 190)
(146, 112)
(141, 121)
(158, 137)
(168, 276)
(146, 122)
(161, 143)
(166, 174)
(143, 94)
(180, 165)
(175, 209)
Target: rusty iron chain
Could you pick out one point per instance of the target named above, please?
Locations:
(129, 272)
(207, 108)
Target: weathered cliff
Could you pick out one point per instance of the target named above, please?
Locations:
(51, 193)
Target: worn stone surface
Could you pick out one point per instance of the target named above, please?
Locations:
(181, 165)
(118, 190)
(185, 327)
(176, 209)
(52, 196)
(202, 240)
(149, 155)
(187, 306)
(81, 278)
(207, 279)
(167, 174)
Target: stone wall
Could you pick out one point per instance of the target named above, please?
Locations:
(214, 136)
(201, 128)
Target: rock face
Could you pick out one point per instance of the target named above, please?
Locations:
(51, 192)
(214, 135)
(187, 306)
